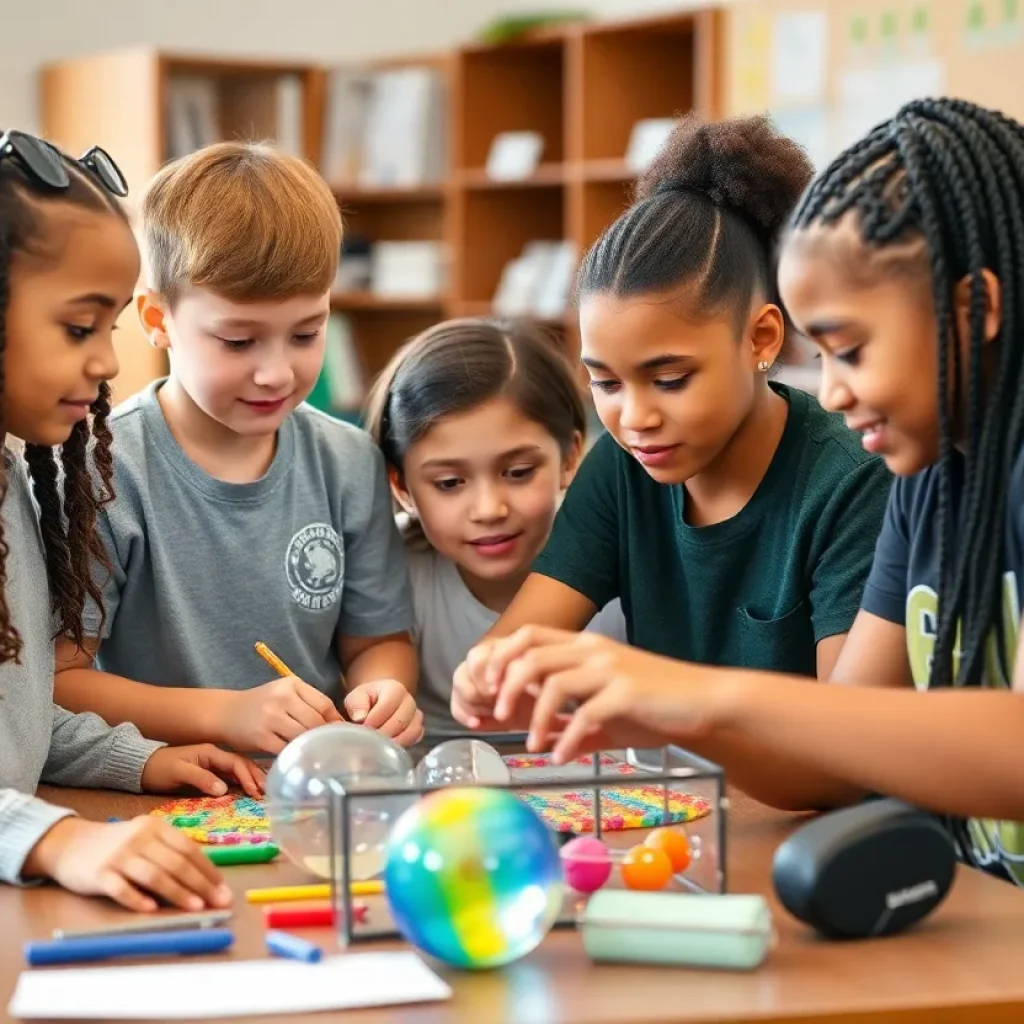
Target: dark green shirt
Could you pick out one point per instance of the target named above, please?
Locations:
(758, 590)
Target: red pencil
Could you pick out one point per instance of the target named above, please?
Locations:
(313, 916)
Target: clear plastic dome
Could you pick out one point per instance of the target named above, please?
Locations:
(357, 759)
(462, 762)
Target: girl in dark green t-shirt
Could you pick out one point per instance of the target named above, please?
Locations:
(732, 515)
(903, 264)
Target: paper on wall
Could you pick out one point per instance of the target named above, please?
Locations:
(868, 96)
(799, 57)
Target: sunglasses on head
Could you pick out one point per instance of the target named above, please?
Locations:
(45, 166)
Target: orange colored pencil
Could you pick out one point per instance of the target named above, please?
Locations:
(273, 660)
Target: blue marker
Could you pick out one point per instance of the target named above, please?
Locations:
(291, 946)
(107, 947)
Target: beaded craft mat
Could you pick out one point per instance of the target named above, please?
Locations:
(241, 819)
(622, 807)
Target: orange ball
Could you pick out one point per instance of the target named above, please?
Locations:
(645, 867)
(674, 844)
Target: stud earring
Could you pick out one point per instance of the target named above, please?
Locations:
(764, 366)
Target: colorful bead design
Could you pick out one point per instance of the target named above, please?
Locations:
(241, 819)
(621, 808)
(220, 820)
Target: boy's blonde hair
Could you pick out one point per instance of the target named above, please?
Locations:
(243, 220)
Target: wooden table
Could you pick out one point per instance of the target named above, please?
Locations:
(963, 965)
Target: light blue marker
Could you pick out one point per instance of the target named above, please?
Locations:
(291, 946)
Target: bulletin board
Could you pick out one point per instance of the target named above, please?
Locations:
(830, 70)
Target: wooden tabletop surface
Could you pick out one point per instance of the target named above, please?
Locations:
(962, 965)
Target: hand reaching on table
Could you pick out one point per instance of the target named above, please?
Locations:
(201, 766)
(134, 862)
(475, 688)
(583, 691)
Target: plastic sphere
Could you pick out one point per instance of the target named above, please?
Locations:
(674, 844)
(473, 877)
(462, 762)
(645, 867)
(299, 787)
(587, 863)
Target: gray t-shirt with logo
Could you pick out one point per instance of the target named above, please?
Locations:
(450, 620)
(203, 569)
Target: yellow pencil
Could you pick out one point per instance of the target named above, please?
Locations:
(273, 660)
(374, 887)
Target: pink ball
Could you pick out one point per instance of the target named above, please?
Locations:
(586, 863)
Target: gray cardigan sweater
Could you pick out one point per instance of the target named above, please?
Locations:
(38, 740)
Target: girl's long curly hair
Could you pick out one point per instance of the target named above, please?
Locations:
(63, 481)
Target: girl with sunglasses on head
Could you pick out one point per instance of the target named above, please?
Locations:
(903, 263)
(68, 266)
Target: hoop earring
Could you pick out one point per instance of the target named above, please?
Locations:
(764, 366)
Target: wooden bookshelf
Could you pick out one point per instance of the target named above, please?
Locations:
(582, 87)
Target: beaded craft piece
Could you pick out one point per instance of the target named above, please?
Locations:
(621, 807)
(241, 819)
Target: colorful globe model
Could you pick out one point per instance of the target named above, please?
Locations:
(473, 877)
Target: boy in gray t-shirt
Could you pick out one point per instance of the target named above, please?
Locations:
(242, 514)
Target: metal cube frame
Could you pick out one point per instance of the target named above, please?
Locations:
(689, 766)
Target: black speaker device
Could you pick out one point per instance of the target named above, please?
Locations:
(866, 871)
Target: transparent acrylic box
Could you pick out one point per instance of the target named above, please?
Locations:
(670, 770)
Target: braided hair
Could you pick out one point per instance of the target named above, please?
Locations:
(949, 175)
(68, 494)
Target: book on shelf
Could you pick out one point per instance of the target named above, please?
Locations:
(193, 114)
(341, 386)
(413, 270)
(354, 268)
(538, 281)
(290, 98)
(385, 128)
(202, 110)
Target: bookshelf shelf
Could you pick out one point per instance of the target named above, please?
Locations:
(366, 301)
(505, 89)
(486, 308)
(354, 194)
(581, 87)
(606, 170)
(546, 174)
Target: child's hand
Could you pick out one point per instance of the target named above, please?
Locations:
(131, 862)
(475, 687)
(387, 706)
(592, 692)
(170, 768)
(270, 716)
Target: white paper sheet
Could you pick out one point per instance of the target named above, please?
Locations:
(239, 988)
(799, 57)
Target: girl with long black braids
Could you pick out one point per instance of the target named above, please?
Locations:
(68, 266)
(903, 262)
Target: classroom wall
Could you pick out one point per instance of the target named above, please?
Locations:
(32, 35)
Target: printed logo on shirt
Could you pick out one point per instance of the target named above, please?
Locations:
(314, 563)
(992, 842)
